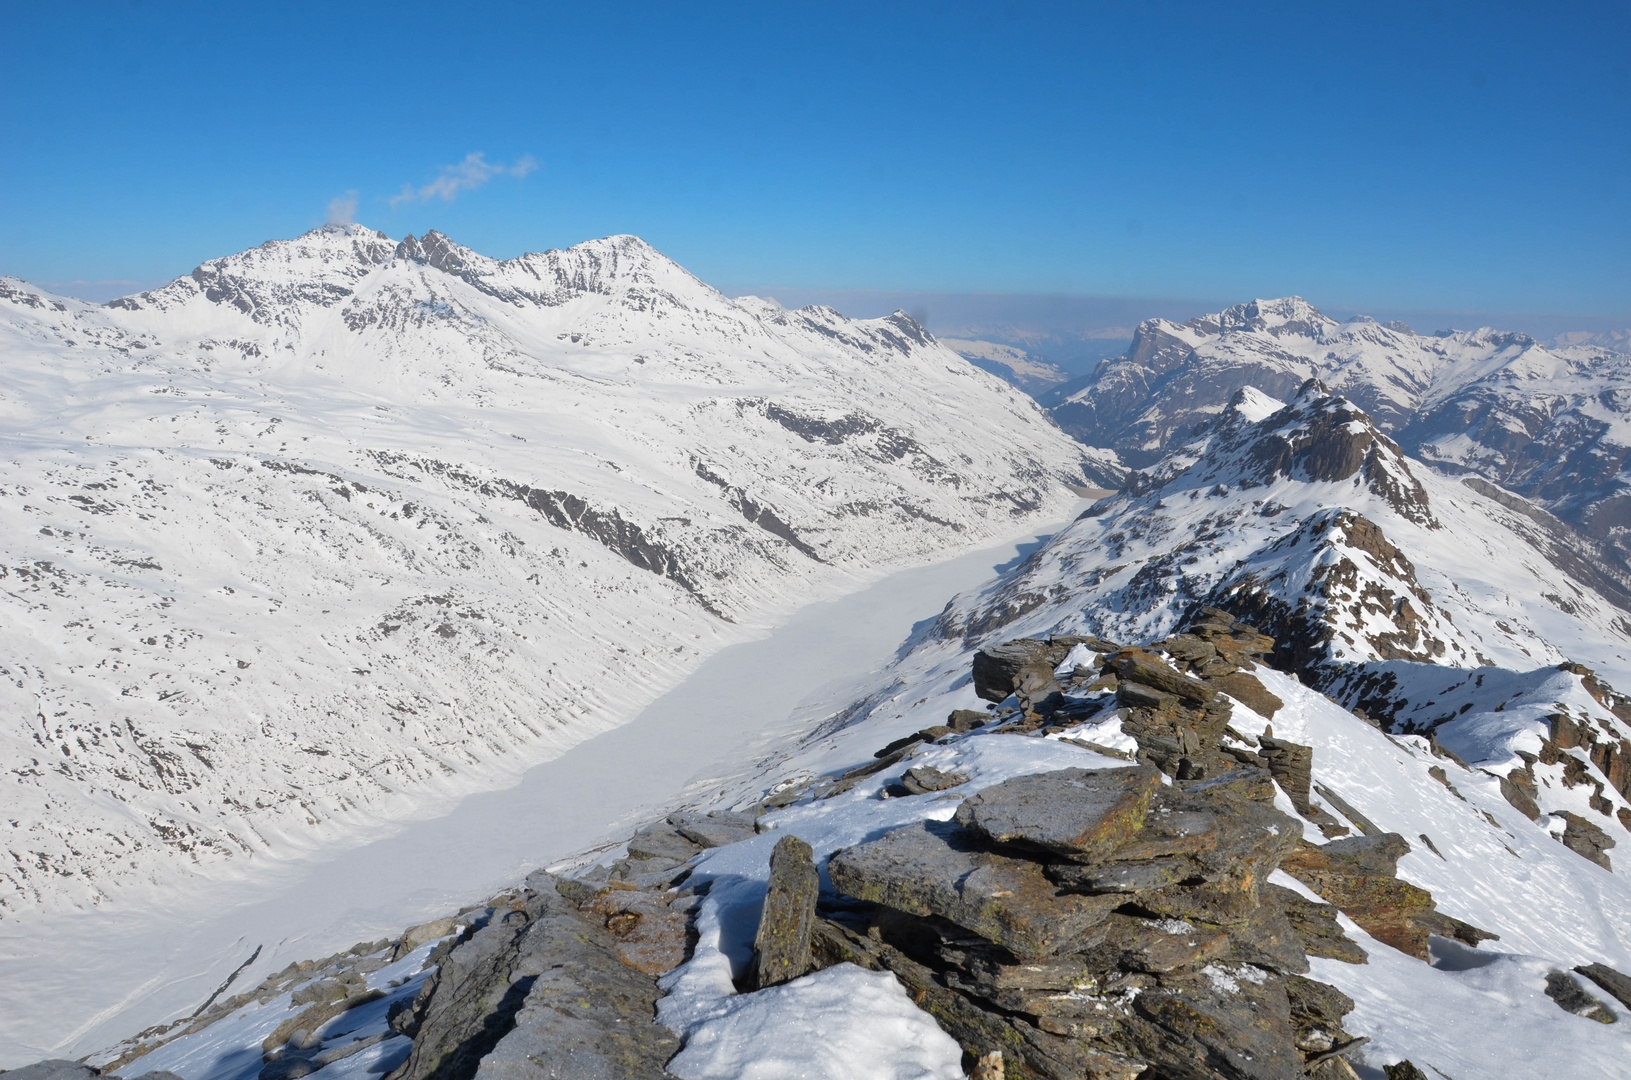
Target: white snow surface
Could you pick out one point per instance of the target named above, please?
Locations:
(76, 982)
(337, 530)
(1471, 1013)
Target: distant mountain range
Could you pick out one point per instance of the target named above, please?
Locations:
(1550, 424)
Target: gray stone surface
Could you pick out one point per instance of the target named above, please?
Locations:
(923, 779)
(1078, 812)
(1316, 927)
(1585, 839)
(662, 841)
(1571, 997)
(53, 1069)
(937, 868)
(782, 945)
(715, 829)
(539, 992)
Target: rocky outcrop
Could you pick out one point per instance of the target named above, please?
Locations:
(1359, 876)
(1585, 839)
(1095, 923)
(541, 986)
(1565, 990)
(1606, 977)
(781, 946)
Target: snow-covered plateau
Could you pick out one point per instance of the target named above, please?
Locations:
(339, 529)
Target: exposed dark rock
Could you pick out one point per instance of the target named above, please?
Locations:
(940, 869)
(1606, 977)
(1082, 813)
(1404, 1070)
(1249, 691)
(922, 779)
(966, 720)
(540, 992)
(1292, 766)
(1585, 839)
(662, 841)
(53, 1069)
(649, 935)
(1138, 666)
(782, 945)
(1230, 1022)
(1357, 875)
(1519, 788)
(1317, 928)
(996, 667)
(1564, 989)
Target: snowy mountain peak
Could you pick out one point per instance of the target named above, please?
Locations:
(1316, 438)
(1284, 316)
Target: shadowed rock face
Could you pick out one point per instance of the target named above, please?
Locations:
(943, 870)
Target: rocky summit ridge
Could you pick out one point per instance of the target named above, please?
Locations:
(1184, 914)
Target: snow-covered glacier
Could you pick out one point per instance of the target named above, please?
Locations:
(333, 531)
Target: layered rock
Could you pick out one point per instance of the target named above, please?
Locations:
(1096, 923)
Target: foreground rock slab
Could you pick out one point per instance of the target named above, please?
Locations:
(541, 992)
(938, 868)
(1083, 813)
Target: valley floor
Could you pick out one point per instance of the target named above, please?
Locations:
(70, 984)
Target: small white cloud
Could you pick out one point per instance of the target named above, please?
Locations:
(469, 174)
(342, 209)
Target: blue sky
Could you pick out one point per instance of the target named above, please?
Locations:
(1423, 156)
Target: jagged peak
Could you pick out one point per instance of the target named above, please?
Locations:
(1283, 315)
(1316, 437)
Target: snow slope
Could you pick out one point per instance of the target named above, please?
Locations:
(338, 529)
(1416, 598)
(1550, 423)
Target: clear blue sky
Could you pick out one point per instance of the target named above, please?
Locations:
(1421, 155)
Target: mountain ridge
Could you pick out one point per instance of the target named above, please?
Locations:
(322, 535)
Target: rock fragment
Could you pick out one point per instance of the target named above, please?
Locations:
(715, 829)
(662, 841)
(1082, 813)
(1585, 839)
(53, 1069)
(1567, 992)
(1606, 977)
(1317, 928)
(540, 993)
(923, 779)
(781, 948)
(935, 868)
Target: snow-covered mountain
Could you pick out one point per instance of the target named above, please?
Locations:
(339, 528)
(1012, 365)
(1552, 424)
(1606, 341)
(1430, 603)
(1306, 891)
